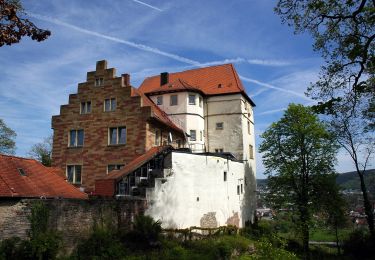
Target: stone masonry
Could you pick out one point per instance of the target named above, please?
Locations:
(96, 153)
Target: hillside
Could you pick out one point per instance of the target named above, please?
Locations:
(347, 180)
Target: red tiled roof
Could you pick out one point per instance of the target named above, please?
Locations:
(39, 180)
(214, 80)
(157, 113)
(137, 162)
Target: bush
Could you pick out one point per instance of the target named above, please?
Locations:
(265, 250)
(102, 244)
(145, 234)
(359, 245)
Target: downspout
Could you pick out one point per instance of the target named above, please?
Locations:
(208, 143)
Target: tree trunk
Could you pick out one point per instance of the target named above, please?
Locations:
(304, 218)
(337, 238)
(366, 203)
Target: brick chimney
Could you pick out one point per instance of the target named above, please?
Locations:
(126, 79)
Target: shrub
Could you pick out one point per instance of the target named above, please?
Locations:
(102, 244)
(359, 245)
(146, 233)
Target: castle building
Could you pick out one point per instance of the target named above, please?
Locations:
(184, 141)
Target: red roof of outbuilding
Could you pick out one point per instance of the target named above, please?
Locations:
(214, 80)
(38, 180)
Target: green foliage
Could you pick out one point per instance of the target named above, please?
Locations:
(299, 155)
(102, 244)
(265, 250)
(344, 32)
(359, 245)
(7, 136)
(146, 232)
(44, 243)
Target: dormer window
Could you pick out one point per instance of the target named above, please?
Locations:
(219, 86)
(99, 82)
(22, 172)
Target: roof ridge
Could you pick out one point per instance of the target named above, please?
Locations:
(199, 68)
(18, 157)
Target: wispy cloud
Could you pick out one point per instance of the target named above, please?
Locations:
(148, 5)
(272, 111)
(274, 87)
(115, 39)
(276, 63)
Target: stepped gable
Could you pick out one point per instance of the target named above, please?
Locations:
(213, 80)
(27, 178)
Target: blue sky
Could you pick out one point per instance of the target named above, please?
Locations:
(144, 38)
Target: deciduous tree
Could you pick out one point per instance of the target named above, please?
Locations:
(299, 155)
(42, 151)
(7, 136)
(13, 25)
(344, 32)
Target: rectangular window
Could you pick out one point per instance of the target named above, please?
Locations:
(191, 99)
(219, 126)
(241, 188)
(193, 135)
(174, 100)
(159, 100)
(200, 101)
(99, 82)
(86, 107)
(157, 137)
(248, 127)
(225, 176)
(251, 152)
(76, 138)
(117, 135)
(201, 135)
(238, 189)
(110, 104)
(220, 150)
(73, 173)
(111, 167)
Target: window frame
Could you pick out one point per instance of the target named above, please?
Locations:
(191, 101)
(111, 101)
(171, 99)
(75, 144)
(83, 107)
(159, 100)
(117, 166)
(74, 176)
(195, 135)
(251, 152)
(219, 127)
(117, 135)
(99, 82)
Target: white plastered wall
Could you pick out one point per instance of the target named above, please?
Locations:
(188, 117)
(195, 193)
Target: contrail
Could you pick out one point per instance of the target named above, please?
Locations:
(160, 52)
(274, 87)
(115, 39)
(151, 6)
